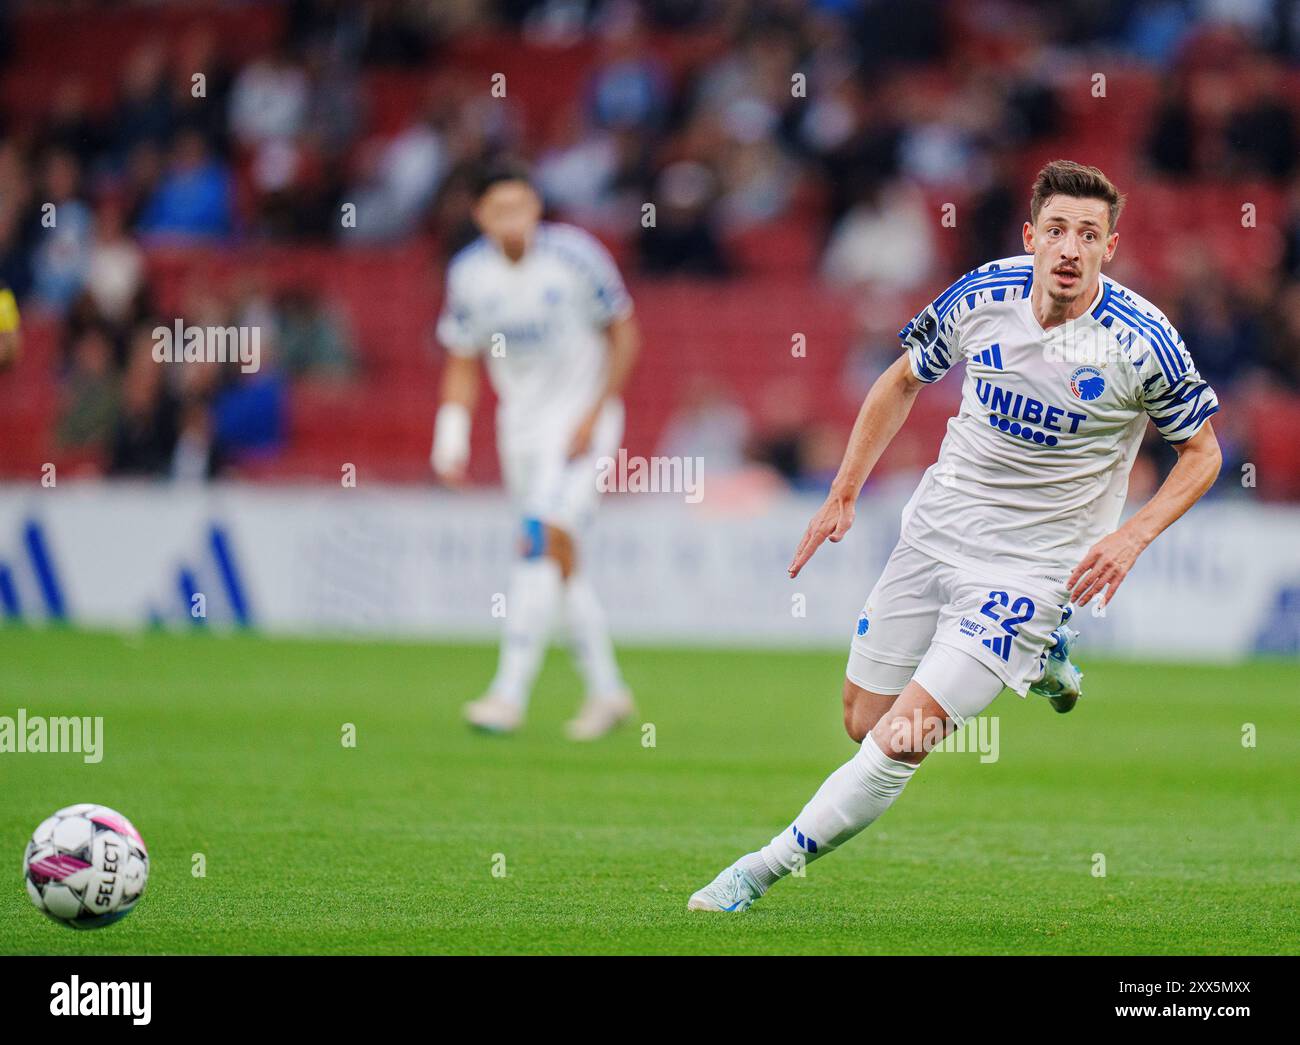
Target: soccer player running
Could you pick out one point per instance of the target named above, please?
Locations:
(543, 304)
(1017, 517)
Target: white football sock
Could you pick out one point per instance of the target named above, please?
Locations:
(850, 799)
(531, 602)
(592, 649)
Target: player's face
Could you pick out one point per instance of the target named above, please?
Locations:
(508, 214)
(1069, 242)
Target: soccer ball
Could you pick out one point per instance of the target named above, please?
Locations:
(86, 866)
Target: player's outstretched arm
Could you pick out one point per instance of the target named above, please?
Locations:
(882, 415)
(460, 383)
(1108, 561)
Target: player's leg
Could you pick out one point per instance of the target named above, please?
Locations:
(857, 793)
(872, 685)
(863, 709)
(607, 702)
(559, 498)
(949, 687)
(890, 638)
(532, 474)
(893, 632)
(532, 602)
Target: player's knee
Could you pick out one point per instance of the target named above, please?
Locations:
(855, 724)
(541, 540)
(560, 548)
(903, 737)
(863, 709)
(532, 541)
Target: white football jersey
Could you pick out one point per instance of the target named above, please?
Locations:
(540, 323)
(1034, 468)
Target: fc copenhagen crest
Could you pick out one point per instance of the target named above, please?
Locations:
(1087, 384)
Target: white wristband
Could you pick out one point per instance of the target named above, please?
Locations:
(450, 438)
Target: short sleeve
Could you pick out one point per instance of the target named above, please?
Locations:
(605, 294)
(929, 344)
(1171, 391)
(1175, 396)
(932, 339)
(456, 324)
(610, 299)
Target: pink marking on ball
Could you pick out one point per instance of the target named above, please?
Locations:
(55, 868)
(121, 826)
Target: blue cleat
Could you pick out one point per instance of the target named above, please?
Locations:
(1062, 682)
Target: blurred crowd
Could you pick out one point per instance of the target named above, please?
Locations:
(190, 420)
(803, 123)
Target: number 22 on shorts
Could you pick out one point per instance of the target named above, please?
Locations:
(1022, 610)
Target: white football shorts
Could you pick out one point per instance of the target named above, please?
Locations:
(1001, 624)
(545, 485)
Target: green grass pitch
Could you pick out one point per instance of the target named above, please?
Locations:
(231, 747)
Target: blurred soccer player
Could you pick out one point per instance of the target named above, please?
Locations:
(1016, 518)
(543, 304)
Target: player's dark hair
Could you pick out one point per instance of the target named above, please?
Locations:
(498, 171)
(1067, 178)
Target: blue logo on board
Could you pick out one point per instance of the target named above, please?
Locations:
(1087, 383)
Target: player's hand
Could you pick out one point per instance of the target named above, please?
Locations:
(449, 456)
(455, 477)
(1104, 568)
(832, 521)
(448, 467)
(580, 442)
